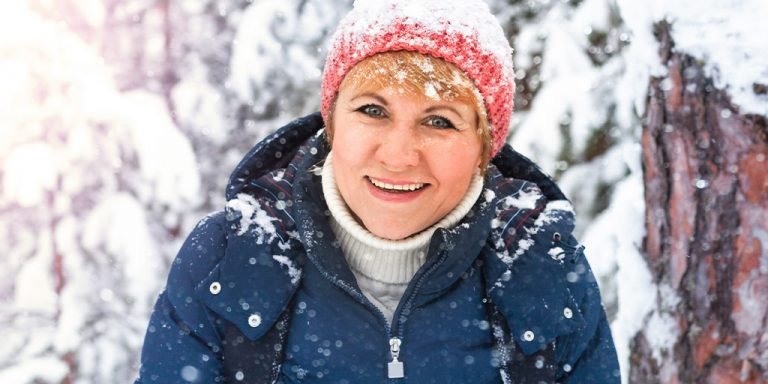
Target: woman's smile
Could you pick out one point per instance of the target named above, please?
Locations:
(393, 191)
(395, 186)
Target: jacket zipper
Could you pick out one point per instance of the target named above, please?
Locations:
(373, 308)
(395, 367)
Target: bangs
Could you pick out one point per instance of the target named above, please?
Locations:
(416, 74)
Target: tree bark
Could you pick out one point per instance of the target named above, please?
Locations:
(706, 194)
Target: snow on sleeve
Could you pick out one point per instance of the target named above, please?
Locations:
(253, 218)
(526, 199)
(552, 213)
(293, 272)
(556, 253)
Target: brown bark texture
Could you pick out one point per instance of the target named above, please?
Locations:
(706, 194)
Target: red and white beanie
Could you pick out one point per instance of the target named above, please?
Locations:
(462, 32)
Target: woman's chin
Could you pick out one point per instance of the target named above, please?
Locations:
(392, 231)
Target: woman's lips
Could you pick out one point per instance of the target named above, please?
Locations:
(393, 191)
(396, 187)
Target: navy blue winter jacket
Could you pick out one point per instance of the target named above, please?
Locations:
(261, 291)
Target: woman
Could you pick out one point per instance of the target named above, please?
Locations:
(419, 249)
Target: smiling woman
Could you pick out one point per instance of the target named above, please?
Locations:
(420, 249)
(408, 142)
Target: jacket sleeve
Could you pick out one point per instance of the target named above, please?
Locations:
(589, 354)
(182, 343)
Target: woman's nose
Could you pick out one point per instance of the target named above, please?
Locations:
(399, 148)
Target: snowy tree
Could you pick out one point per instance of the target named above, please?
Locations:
(93, 183)
(705, 143)
(661, 105)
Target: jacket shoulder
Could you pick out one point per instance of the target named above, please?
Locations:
(203, 248)
(543, 285)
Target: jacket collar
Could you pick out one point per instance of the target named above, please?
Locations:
(262, 265)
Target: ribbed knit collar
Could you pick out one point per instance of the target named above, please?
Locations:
(387, 261)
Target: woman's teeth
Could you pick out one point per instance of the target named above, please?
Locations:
(399, 188)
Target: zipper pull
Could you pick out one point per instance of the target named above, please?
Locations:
(395, 367)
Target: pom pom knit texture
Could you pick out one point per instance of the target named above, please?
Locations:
(461, 32)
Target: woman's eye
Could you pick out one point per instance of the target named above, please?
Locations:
(372, 110)
(440, 122)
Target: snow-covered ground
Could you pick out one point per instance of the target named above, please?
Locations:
(99, 180)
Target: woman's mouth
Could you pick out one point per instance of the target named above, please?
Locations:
(396, 188)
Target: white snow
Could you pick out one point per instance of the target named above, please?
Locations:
(29, 371)
(556, 253)
(661, 331)
(293, 272)
(469, 18)
(524, 200)
(729, 37)
(89, 178)
(253, 215)
(31, 172)
(613, 243)
(489, 195)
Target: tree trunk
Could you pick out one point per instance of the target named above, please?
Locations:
(706, 193)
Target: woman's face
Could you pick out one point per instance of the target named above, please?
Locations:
(402, 161)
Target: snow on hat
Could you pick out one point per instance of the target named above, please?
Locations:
(461, 32)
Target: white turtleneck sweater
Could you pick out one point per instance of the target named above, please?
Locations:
(383, 268)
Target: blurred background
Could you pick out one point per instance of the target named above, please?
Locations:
(120, 121)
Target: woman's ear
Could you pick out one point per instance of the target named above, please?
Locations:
(329, 124)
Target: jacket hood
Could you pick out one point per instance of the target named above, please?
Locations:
(271, 154)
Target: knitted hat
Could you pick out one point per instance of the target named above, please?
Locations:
(461, 32)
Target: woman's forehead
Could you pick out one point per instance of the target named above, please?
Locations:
(412, 73)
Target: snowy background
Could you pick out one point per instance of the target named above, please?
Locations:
(120, 120)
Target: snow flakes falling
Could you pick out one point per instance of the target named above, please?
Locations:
(190, 374)
(252, 215)
(293, 272)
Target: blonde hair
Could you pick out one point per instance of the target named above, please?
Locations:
(416, 73)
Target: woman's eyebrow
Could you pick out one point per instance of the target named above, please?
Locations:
(435, 108)
(373, 95)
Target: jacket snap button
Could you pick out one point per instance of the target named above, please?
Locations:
(568, 313)
(215, 288)
(528, 336)
(254, 320)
